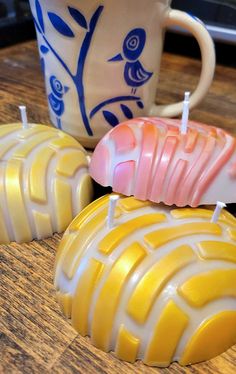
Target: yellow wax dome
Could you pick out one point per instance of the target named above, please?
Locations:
(44, 182)
(159, 286)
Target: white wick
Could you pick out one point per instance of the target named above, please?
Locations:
(24, 119)
(88, 159)
(217, 211)
(185, 115)
(111, 210)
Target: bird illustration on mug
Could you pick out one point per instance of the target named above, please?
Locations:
(55, 98)
(134, 73)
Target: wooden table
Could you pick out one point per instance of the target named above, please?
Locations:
(35, 337)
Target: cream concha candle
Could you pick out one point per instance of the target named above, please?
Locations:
(155, 283)
(44, 181)
(153, 159)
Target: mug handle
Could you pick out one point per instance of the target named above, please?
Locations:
(199, 31)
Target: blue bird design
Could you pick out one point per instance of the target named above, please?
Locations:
(134, 73)
(56, 104)
(55, 98)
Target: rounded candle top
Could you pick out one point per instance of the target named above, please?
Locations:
(159, 286)
(152, 159)
(44, 181)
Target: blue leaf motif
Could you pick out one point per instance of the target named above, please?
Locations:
(44, 49)
(60, 25)
(110, 118)
(78, 17)
(39, 14)
(127, 112)
(140, 104)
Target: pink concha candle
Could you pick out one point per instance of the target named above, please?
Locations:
(151, 159)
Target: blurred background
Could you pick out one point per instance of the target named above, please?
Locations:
(218, 15)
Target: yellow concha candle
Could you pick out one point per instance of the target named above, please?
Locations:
(159, 285)
(44, 181)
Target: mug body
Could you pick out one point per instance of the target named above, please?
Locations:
(101, 61)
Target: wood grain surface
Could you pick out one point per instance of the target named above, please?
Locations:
(35, 337)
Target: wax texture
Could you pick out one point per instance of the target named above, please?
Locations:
(44, 182)
(151, 159)
(159, 286)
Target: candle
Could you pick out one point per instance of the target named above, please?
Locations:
(159, 286)
(111, 210)
(217, 211)
(185, 116)
(44, 181)
(24, 119)
(153, 159)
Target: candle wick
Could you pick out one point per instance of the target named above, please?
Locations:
(185, 115)
(24, 119)
(217, 211)
(88, 157)
(111, 210)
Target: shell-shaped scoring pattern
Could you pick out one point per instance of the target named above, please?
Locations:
(150, 159)
(160, 286)
(44, 182)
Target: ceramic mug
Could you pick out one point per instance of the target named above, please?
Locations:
(101, 61)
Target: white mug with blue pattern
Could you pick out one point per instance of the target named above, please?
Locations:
(101, 61)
